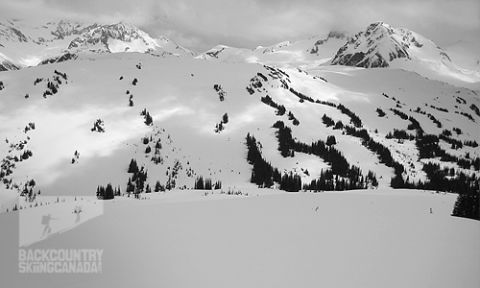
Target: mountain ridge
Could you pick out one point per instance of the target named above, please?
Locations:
(26, 45)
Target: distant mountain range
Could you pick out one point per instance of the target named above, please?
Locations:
(379, 46)
(24, 45)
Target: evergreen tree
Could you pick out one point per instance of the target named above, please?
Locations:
(331, 140)
(148, 119)
(130, 187)
(208, 184)
(109, 194)
(133, 167)
(148, 189)
(158, 187)
(199, 184)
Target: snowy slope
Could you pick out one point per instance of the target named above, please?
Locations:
(382, 45)
(369, 238)
(309, 52)
(465, 53)
(180, 96)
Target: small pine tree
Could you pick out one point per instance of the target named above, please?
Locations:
(208, 184)
(133, 167)
(159, 187)
(109, 193)
(331, 140)
(148, 119)
(199, 184)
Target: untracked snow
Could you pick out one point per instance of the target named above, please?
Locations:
(382, 238)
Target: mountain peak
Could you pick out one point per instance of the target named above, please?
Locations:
(380, 44)
(29, 44)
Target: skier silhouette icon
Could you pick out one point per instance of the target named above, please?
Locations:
(77, 211)
(47, 229)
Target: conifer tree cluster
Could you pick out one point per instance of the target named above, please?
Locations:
(30, 126)
(400, 134)
(475, 109)
(467, 204)
(327, 121)
(331, 140)
(269, 101)
(26, 154)
(449, 180)
(220, 126)
(98, 126)
(206, 184)
(328, 181)
(301, 95)
(288, 146)
(264, 78)
(159, 187)
(435, 120)
(470, 143)
(157, 157)
(293, 118)
(339, 164)
(148, 120)
(52, 88)
(136, 183)
(263, 174)
(172, 175)
(341, 176)
(221, 93)
(291, 182)
(285, 140)
(399, 113)
(130, 101)
(354, 119)
(380, 112)
(107, 193)
(383, 153)
(27, 191)
(76, 157)
(63, 75)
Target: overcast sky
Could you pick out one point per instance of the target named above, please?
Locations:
(202, 24)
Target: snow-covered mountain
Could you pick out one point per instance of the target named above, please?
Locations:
(23, 44)
(382, 45)
(309, 52)
(127, 151)
(101, 116)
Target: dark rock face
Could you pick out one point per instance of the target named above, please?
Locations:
(331, 35)
(375, 47)
(96, 34)
(65, 57)
(7, 66)
(215, 53)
